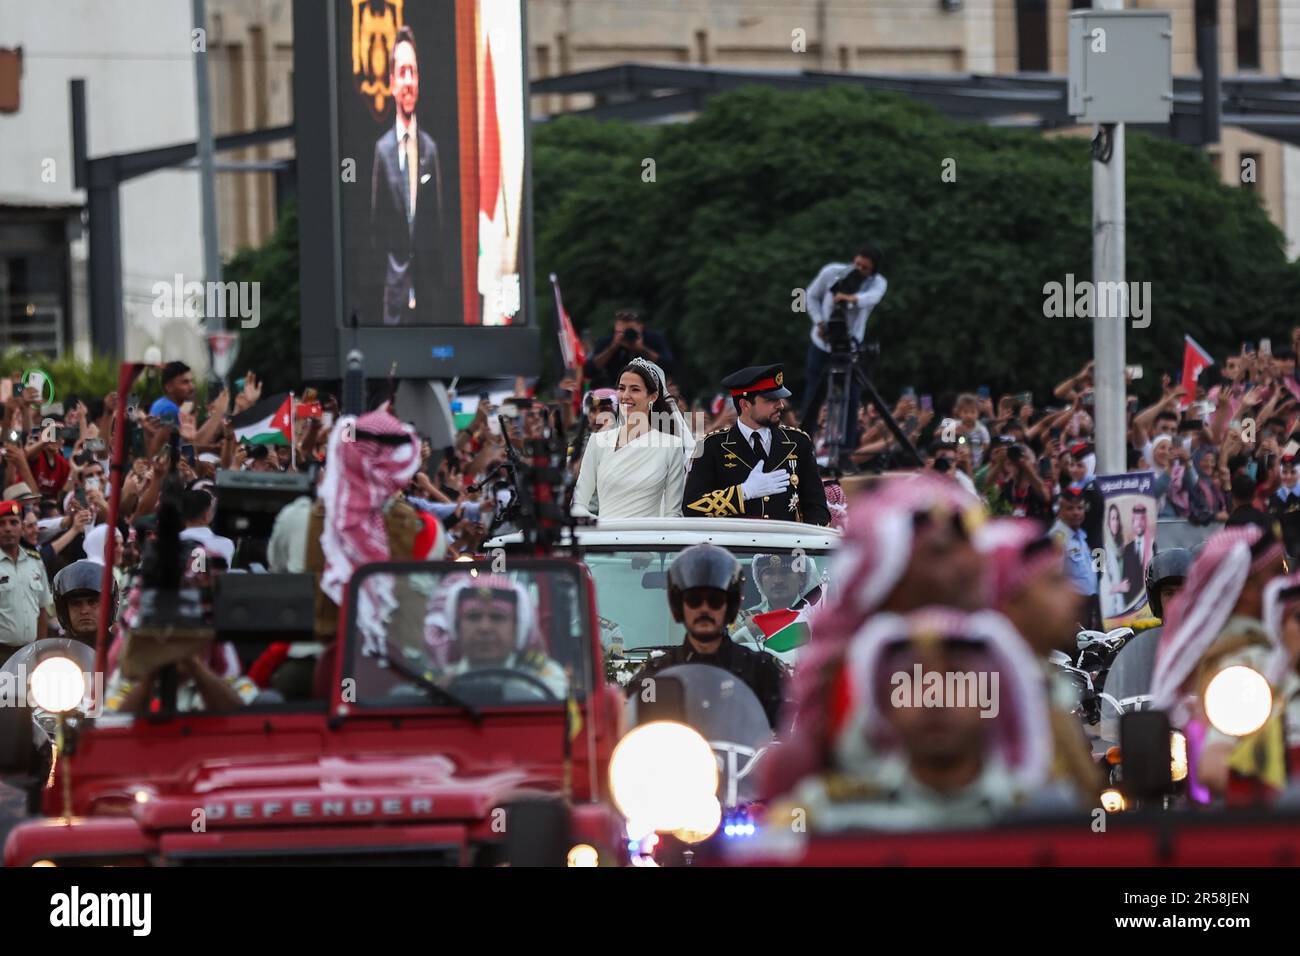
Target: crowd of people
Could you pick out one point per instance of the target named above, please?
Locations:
(1221, 450)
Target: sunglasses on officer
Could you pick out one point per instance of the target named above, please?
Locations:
(715, 599)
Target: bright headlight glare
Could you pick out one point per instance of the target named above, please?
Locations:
(1238, 700)
(1112, 801)
(661, 775)
(706, 816)
(1177, 755)
(583, 854)
(57, 685)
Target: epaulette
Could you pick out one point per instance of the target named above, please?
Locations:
(533, 658)
(791, 428)
(720, 431)
(33, 551)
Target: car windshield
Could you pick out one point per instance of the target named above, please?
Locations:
(466, 636)
(632, 591)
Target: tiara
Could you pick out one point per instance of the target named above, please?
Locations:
(650, 367)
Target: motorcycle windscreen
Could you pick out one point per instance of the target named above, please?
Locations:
(1128, 681)
(725, 712)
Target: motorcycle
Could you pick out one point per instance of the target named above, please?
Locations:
(53, 677)
(1086, 676)
(692, 706)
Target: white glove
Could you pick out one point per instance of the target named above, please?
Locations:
(761, 483)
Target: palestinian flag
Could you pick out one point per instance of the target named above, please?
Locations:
(784, 630)
(266, 423)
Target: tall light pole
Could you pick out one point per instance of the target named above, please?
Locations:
(1110, 391)
(211, 251)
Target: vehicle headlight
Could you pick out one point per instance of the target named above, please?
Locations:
(1112, 801)
(1177, 755)
(583, 854)
(1238, 700)
(57, 684)
(664, 776)
(707, 815)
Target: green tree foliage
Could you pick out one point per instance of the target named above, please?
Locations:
(272, 350)
(764, 187)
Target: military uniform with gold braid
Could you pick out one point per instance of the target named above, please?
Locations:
(718, 472)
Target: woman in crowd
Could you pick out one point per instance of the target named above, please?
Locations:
(637, 469)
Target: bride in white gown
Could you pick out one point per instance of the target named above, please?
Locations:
(637, 469)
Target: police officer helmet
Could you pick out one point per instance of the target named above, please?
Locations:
(1165, 568)
(80, 579)
(704, 566)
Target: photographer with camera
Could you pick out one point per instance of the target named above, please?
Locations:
(840, 301)
(628, 341)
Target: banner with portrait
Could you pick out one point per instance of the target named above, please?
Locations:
(1128, 539)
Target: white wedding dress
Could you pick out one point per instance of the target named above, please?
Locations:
(644, 478)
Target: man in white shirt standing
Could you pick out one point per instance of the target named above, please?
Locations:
(198, 508)
(861, 289)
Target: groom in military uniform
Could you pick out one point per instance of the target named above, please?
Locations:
(757, 468)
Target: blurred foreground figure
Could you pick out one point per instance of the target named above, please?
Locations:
(941, 721)
(1028, 584)
(1216, 622)
(908, 546)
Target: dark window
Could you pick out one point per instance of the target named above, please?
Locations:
(1080, 4)
(1031, 35)
(1248, 34)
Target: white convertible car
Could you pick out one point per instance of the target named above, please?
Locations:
(629, 561)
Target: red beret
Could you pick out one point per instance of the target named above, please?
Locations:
(10, 508)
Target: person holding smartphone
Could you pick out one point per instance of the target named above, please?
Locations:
(629, 340)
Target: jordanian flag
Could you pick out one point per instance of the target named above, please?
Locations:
(784, 629)
(266, 423)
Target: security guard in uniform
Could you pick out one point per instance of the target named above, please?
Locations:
(757, 468)
(24, 588)
(704, 595)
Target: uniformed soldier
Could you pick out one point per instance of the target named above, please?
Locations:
(704, 595)
(24, 588)
(758, 468)
(491, 620)
(77, 590)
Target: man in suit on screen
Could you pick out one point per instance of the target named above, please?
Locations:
(406, 206)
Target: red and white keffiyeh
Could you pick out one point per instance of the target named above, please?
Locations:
(1021, 728)
(1198, 613)
(361, 475)
(1009, 565)
(873, 558)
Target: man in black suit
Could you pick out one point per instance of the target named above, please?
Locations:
(1134, 556)
(406, 202)
(757, 468)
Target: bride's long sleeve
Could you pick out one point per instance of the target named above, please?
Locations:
(674, 483)
(586, 486)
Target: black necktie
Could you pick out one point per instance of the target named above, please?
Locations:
(759, 454)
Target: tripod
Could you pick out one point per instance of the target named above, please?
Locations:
(845, 367)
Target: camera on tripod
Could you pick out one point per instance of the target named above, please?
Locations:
(837, 323)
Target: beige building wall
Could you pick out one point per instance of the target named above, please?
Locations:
(898, 36)
(250, 71)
